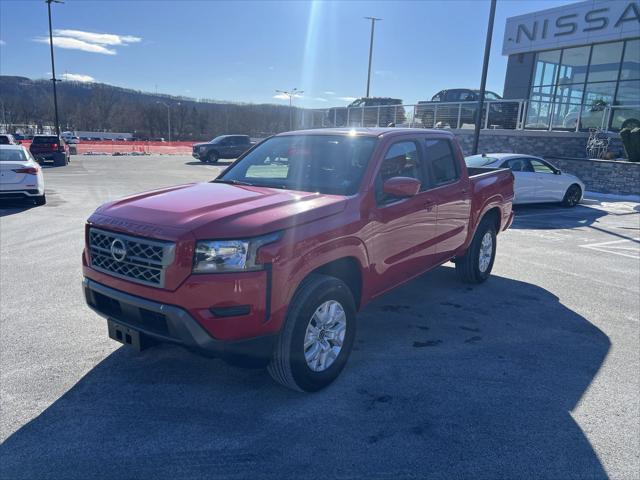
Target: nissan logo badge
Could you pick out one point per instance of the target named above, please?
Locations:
(118, 250)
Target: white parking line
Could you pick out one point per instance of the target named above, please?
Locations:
(630, 247)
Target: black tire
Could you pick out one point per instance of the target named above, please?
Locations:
(630, 123)
(41, 200)
(288, 365)
(212, 157)
(468, 266)
(572, 196)
(60, 160)
(428, 120)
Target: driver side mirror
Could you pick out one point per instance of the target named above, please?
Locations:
(401, 187)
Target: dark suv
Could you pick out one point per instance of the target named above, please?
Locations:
(448, 107)
(50, 147)
(363, 113)
(224, 146)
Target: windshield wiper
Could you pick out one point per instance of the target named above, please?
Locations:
(232, 182)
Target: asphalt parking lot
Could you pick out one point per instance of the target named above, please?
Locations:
(534, 374)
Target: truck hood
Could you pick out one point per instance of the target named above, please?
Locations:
(196, 145)
(216, 210)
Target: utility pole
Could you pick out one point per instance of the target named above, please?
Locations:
(291, 94)
(168, 118)
(53, 66)
(373, 28)
(483, 81)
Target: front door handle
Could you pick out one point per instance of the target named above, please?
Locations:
(429, 206)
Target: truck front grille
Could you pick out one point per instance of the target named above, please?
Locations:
(139, 260)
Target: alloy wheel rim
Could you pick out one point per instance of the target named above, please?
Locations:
(486, 250)
(324, 336)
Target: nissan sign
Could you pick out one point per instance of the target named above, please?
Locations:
(581, 23)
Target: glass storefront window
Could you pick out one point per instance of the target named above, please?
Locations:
(631, 62)
(574, 65)
(605, 62)
(628, 93)
(546, 67)
(575, 87)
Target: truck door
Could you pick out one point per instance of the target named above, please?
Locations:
(402, 229)
(452, 194)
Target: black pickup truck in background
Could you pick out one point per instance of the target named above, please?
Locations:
(367, 112)
(224, 146)
(447, 107)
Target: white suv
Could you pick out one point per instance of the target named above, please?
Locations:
(20, 175)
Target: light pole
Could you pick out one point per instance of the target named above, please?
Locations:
(291, 94)
(373, 28)
(53, 66)
(483, 80)
(168, 118)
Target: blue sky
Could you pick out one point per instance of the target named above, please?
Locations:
(243, 51)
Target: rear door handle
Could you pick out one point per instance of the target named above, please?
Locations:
(429, 206)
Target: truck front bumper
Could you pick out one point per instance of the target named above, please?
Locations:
(169, 323)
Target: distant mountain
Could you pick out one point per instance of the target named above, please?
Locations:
(102, 107)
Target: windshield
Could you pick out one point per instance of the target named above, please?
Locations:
(479, 160)
(12, 155)
(45, 139)
(331, 164)
(217, 140)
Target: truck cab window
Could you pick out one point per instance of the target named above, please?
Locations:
(441, 162)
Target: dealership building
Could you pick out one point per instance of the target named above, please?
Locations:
(577, 66)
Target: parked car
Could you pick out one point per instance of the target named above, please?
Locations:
(362, 112)
(50, 147)
(536, 180)
(224, 146)
(6, 139)
(445, 109)
(20, 175)
(269, 262)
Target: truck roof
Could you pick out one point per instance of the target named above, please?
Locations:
(365, 132)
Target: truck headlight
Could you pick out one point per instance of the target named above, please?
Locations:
(216, 256)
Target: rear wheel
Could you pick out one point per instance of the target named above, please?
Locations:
(41, 200)
(572, 197)
(476, 265)
(428, 120)
(212, 157)
(317, 337)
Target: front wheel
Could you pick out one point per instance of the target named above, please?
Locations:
(572, 196)
(475, 266)
(317, 337)
(212, 158)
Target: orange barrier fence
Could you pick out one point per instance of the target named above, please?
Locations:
(128, 148)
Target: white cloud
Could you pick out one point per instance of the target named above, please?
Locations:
(75, 44)
(329, 93)
(78, 77)
(348, 99)
(97, 38)
(2, 42)
(281, 96)
(272, 68)
(91, 42)
(320, 99)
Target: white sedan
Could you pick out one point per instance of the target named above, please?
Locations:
(20, 175)
(536, 180)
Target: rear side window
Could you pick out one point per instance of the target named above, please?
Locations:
(441, 162)
(12, 155)
(45, 140)
(518, 165)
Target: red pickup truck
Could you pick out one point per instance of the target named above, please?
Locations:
(270, 262)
